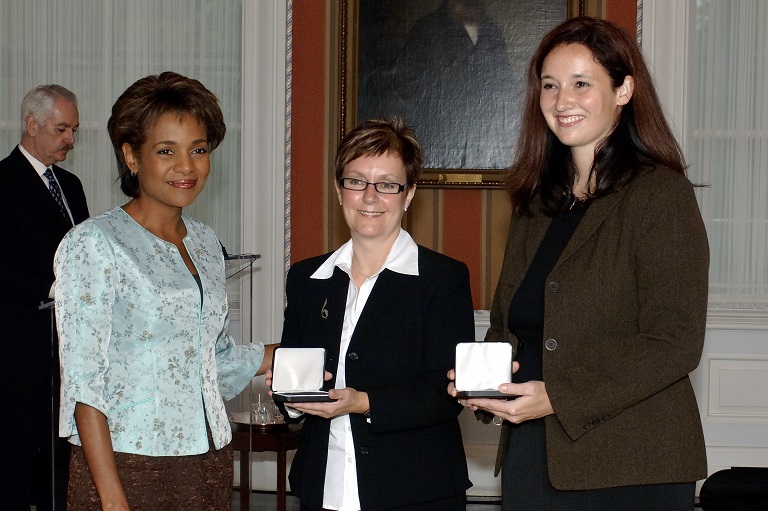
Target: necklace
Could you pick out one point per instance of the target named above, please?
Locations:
(359, 271)
(581, 201)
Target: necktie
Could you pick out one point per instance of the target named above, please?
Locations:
(53, 187)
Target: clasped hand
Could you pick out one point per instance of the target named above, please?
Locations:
(348, 400)
(532, 403)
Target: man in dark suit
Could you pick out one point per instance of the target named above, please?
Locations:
(39, 203)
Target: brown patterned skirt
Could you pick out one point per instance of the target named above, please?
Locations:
(201, 482)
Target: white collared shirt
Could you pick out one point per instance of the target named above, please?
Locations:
(341, 491)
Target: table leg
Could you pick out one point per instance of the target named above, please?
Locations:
(281, 462)
(245, 481)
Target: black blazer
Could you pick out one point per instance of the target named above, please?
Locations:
(31, 227)
(400, 352)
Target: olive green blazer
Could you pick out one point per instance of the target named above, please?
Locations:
(625, 315)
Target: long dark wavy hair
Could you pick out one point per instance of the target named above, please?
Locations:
(640, 141)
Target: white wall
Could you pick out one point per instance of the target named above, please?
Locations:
(731, 385)
(731, 382)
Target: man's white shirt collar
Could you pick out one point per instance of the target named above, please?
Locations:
(403, 258)
(37, 164)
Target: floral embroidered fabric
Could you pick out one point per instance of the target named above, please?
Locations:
(135, 342)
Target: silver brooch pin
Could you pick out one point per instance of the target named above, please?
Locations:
(324, 311)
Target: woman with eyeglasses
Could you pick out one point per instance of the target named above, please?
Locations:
(389, 314)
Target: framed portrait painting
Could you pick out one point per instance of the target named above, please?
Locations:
(454, 70)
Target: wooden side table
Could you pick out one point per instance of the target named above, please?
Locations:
(259, 439)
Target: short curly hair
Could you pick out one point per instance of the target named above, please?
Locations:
(137, 110)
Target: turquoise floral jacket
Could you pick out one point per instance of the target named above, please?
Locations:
(135, 342)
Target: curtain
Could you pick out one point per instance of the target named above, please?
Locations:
(727, 145)
(97, 48)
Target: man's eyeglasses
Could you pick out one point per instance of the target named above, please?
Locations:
(358, 185)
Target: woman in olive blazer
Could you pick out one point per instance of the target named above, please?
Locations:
(625, 309)
(603, 291)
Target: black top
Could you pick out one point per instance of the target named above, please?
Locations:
(526, 311)
(199, 286)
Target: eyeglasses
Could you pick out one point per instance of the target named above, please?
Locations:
(358, 185)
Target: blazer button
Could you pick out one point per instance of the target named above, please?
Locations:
(553, 287)
(364, 450)
(352, 356)
(550, 344)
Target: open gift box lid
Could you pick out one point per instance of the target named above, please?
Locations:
(481, 367)
(297, 375)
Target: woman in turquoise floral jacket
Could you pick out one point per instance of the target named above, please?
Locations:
(141, 310)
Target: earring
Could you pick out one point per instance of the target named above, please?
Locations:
(134, 174)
